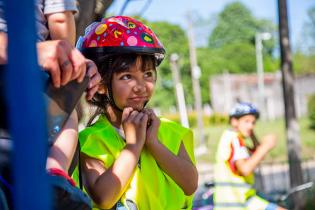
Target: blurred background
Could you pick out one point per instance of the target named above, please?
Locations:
(221, 52)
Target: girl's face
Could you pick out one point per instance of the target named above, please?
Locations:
(133, 87)
(245, 125)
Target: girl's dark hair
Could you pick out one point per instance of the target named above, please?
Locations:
(116, 64)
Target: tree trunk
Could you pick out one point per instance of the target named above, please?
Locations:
(292, 127)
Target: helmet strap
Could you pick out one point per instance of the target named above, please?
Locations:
(111, 100)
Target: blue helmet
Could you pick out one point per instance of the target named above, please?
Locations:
(243, 108)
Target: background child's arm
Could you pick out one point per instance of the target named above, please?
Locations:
(62, 26)
(62, 151)
(247, 166)
(106, 186)
(178, 167)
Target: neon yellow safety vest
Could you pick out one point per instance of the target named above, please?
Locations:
(231, 189)
(150, 187)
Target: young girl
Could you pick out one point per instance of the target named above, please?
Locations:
(132, 159)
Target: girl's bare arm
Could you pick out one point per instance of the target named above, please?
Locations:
(179, 167)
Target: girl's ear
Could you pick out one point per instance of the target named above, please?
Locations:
(102, 90)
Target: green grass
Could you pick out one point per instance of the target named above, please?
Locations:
(277, 127)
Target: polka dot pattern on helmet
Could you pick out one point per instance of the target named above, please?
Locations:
(120, 31)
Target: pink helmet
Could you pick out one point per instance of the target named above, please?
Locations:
(119, 35)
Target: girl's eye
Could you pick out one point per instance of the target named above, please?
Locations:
(149, 74)
(125, 77)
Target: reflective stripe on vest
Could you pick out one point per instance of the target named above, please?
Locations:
(231, 184)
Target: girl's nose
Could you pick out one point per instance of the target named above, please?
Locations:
(139, 86)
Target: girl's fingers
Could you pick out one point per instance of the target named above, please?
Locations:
(144, 120)
(138, 117)
(132, 115)
(126, 113)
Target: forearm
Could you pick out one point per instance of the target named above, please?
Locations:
(62, 26)
(116, 179)
(3, 47)
(246, 167)
(181, 170)
(63, 149)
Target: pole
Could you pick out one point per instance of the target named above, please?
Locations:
(292, 127)
(260, 74)
(26, 110)
(180, 98)
(195, 73)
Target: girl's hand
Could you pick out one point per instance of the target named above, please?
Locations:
(152, 128)
(134, 124)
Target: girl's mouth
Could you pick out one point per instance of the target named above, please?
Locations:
(138, 99)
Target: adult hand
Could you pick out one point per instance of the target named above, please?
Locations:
(95, 79)
(62, 61)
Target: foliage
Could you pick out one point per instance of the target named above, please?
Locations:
(311, 110)
(235, 24)
(232, 49)
(174, 40)
(218, 119)
(303, 64)
(233, 40)
(310, 29)
(304, 57)
(212, 120)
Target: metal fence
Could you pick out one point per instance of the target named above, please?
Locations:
(274, 176)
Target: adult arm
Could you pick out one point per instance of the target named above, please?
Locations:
(62, 26)
(3, 47)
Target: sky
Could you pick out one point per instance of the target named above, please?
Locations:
(175, 11)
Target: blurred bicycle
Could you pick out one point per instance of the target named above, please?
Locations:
(203, 199)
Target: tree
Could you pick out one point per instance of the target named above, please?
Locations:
(292, 128)
(235, 24)
(304, 57)
(311, 110)
(174, 40)
(233, 40)
(303, 63)
(310, 29)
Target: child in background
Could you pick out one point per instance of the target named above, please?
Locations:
(235, 165)
(131, 158)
